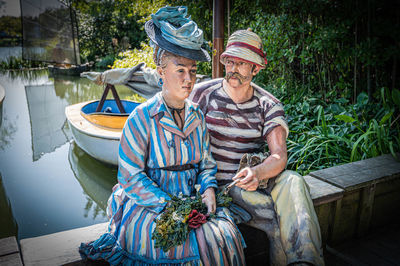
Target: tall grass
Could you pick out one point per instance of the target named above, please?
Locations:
(324, 135)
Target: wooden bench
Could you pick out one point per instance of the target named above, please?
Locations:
(370, 199)
(59, 248)
(9, 252)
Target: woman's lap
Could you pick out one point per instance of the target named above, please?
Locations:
(215, 242)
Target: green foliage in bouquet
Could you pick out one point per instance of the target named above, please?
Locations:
(181, 215)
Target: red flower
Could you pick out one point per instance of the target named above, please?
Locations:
(196, 219)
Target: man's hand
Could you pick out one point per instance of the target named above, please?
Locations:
(272, 166)
(208, 197)
(248, 179)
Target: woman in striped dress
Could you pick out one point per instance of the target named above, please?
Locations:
(164, 150)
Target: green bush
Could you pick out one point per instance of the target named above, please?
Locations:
(324, 135)
(133, 57)
(105, 62)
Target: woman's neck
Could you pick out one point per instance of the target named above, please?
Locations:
(172, 102)
(238, 94)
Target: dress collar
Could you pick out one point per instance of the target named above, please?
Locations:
(159, 106)
(159, 111)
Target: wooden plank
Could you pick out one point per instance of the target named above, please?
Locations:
(384, 211)
(389, 238)
(384, 254)
(337, 211)
(366, 206)
(335, 171)
(322, 192)
(359, 174)
(378, 248)
(59, 248)
(335, 257)
(8, 246)
(11, 260)
(345, 219)
(325, 219)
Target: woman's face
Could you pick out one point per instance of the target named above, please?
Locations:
(179, 76)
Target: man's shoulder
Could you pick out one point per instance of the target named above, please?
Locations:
(208, 83)
(264, 95)
(205, 88)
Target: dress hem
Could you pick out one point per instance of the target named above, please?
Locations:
(107, 248)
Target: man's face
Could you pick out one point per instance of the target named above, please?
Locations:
(238, 72)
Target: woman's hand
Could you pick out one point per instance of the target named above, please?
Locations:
(209, 199)
(247, 179)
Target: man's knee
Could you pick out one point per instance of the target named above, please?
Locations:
(257, 204)
(250, 198)
(291, 178)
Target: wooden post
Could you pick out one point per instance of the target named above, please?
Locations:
(116, 97)
(218, 38)
(103, 98)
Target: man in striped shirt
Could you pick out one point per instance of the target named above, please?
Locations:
(243, 118)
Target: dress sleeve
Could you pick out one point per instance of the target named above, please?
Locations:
(207, 166)
(132, 162)
(274, 116)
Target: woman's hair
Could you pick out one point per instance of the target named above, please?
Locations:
(161, 56)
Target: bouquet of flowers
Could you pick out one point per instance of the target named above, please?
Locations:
(181, 215)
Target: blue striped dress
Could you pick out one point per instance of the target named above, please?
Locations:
(150, 141)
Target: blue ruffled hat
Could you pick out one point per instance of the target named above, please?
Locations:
(172, 31)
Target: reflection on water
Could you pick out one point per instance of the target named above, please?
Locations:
(7, 222)
(96, 178)
(7, 52)
(7, 130)
(62, 188)
(1, 115)
(47, 116)
(27, 76)
(1, 108)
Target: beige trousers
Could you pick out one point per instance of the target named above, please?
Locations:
(299, 231)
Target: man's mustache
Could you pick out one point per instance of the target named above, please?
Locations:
(237, 75)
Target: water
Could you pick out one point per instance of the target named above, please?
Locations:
(47, 183)
(7, 52)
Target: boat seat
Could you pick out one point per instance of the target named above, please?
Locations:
(108, 110)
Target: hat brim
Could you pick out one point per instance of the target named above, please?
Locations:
(243, 54)
(154, 34)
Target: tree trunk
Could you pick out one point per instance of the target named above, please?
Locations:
(355, 62)
(369, 51)
(218, 37)
(394, 71)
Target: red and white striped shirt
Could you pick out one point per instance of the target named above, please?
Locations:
(236, 129)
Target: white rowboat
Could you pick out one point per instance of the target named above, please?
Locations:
(99, 142)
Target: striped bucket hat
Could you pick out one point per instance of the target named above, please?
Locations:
(245, 45)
